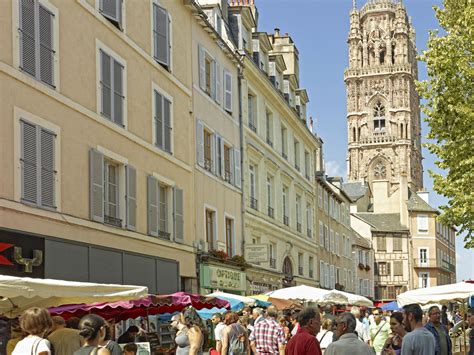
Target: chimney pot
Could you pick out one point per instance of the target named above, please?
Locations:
(277, 32)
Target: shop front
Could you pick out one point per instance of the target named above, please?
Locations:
(28, 255)
(261, 281)
(219, 278)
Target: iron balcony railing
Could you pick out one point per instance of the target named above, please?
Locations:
(271, 212)
(286, 220)
(253, 203)
(113, 221)
(298, 227)
(273, 263)
(164, 235)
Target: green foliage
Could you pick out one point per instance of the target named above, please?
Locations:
(449, 111)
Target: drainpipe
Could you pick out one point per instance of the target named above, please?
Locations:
(241, 128)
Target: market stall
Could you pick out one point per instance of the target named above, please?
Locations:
(310, 294)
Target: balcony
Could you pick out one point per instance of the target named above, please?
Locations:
(426, 263)
(300, 270)
(228, 176)
(273, 263)
(164, 235)
(269, 142)
(113, 221)
(283, 154)
(208, 164)
(286, 220)
(254, 203)
(252, 127)
(378, 139)
(271, 212)
(298, 227)
(309, 233)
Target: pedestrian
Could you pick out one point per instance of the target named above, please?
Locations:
(219, 325)
(470, 322)
(73, 323)
(16, 334)
(286, 330)
(439, 331)
(130, 349)
(347, 340)
(35, 322)
(419, 341)
(108, 343)
(258, 315)
(444, 315)
(129, 335)
(325, 337)
(361, 330)
(378, 331)
(393, 345)
(294, 321)
(64, 341)
(268, 336)
(190, 337)
(235, 339)
(92, 329)
(304, 342)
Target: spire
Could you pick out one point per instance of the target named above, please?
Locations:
(354, 5)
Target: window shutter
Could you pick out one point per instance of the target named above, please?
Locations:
(28, 36)
(389, 264)
(112, 9)
(219, 153)
(48, 174)
(337, 243)
(152, 205)
(218, 83)
(232, 166)
(202, 68)
(159, 119)
(178, 215)
(213, 154)
(200, 143)
(118, 93)
(167, 117)
(29, 162)
(222, 158)
(321, 234)
(213, 79)
(227, 91)
(131, 197)
(106, 84)
(321, 274)
(46, 52)
(237, 169)
(161, 34)
(96, 163)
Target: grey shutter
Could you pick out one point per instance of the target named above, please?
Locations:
(29, 162)
(48, 174)
(232, 166)
(219, 153)
(178, 214)
(213, 154)
(161, 34)
(218, 75)
(27, 37)
(106, 84)
(222, 158)
(131, 197)
(96, 172)
(112, 9)
(167, 124)
(152, 206)
(321, 274)
(213, 79)
(237, 168)
(46, 52)
(202, 68)
(200, 143)
(118, 93)
(227, 91)
(159, 119)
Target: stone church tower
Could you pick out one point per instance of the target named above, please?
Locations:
(383, 114)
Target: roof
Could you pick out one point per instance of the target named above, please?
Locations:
(383, 222)
(355, 190)
(416, 204)
(361, 241)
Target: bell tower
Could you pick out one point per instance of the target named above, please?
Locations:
(383, 113)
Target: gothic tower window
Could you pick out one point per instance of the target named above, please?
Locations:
(380, 171)
(379, 117)
(354, 139)
(382, 57)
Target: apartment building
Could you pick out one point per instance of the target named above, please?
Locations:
(96, 103)
(363, 265)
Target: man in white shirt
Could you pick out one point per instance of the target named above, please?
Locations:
(361, 330)
(218, 326)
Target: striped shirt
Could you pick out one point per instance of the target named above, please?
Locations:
(268, 335)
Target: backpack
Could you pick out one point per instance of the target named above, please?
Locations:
(238, 345)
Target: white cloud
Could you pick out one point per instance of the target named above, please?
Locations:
(333, 168)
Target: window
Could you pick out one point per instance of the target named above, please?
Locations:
(111, 202)
(284, 145)
(269, 128)
(210, 79)
(321, 233)
(112, 88)
(423, 252)
(272, 252)
(326, 201)
(229, 236)
(37, 45)
(227, 163)
(337, 245)
(211, 236)
(424, 279)
(381, 243)
(298, 213)
(286, 220)
(398, 268)
(227, 91)
(379, 117)
(300, 264)
(309, 220)
(297, 155)
(320, 196)
(397, 243)
(326, 238)
(163, 228)
(307, 165)
(384, 268)
(331, 241)
(271, 212)
(251, 105)
(422, 223)
(208, 161)
(162, 120)
(112, 10)
(38, 165)
(161, 35)
(253, 187)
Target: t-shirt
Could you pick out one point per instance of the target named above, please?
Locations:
(65, 341)
(303, 343)
(32, 344)
(443, 344)
(325, 338)
(218, 331)
(379, 334)
(419, 342)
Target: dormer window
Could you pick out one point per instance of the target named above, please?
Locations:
(379, 117)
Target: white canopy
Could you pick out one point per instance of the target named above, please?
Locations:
(309, 294)
(20, 293)
(356, 300)
(248, 301)
(438, 294)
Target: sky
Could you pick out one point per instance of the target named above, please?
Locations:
(319, 28)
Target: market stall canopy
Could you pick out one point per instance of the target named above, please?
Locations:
(247, 301)
(392, 306)
(458, 292)
(149, 305)
(310, 294)
(356, 300)
(20, 293)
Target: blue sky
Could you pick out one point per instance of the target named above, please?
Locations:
(319, 29)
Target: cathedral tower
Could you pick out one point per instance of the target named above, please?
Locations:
(383, 113)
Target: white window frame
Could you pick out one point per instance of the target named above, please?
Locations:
(155, 87)
(18, 115)
(98, 47)
(420, 279)
(234, 241)
(215, 226)
(426, 249)
(419, 221)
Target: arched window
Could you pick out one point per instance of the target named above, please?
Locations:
(379, 117)
(354, 138)
(380, 171)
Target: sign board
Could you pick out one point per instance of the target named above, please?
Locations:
(256, 253)
(215, 277)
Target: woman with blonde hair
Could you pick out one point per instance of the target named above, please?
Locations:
(235, 339)
(325, 336)
(36, 322)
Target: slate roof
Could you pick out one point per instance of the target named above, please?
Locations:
(355, 190)
(383, 222)
(416, 204)
(361, 241)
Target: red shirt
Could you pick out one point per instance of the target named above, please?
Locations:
(303, 343)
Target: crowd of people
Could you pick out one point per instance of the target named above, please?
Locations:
(253, 331)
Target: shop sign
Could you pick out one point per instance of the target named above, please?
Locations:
(257, 288)
(222, 278)
(256, 253)
(21, 255)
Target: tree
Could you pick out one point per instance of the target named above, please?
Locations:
(449, 110)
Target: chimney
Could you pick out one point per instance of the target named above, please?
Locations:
(425, 196)
(311, 123)
(277, 32)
